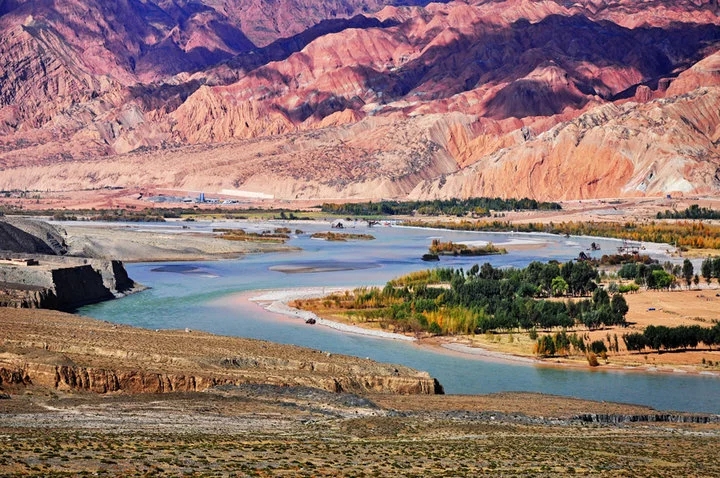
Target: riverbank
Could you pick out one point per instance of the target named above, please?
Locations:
(277, 301)
(671, 309)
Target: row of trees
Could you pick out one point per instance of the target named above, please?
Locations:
(449, 207)
(658, 337)
(563, 344)
(692, 212)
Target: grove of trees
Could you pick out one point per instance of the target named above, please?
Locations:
(710, 268)
(484, 298)
(692, 212)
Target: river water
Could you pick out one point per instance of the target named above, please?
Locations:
(212, 296)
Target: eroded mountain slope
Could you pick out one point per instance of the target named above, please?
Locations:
(546, 99)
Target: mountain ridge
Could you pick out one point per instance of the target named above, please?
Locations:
(437, 94)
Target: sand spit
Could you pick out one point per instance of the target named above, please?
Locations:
(276, 301)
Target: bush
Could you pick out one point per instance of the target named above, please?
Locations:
(598, 347)
(592, 359)
(545, 346)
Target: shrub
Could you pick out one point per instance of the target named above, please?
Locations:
(592, 359)
(598, 347)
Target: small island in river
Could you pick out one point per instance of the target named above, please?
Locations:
(439, 248)
(342, 236)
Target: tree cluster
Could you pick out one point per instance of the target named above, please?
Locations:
(710, 268)
(485, 298)
(692, 212)
(658, 337)
(654, 276)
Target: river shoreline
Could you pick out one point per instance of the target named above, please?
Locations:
(277, 301)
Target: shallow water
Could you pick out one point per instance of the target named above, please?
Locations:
(203, 296)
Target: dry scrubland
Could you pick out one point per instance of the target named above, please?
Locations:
(285, 428)
(292, 438)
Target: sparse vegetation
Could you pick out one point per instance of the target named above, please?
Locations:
(456, 249)
(279, 235)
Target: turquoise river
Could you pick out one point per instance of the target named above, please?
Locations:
(212, 296)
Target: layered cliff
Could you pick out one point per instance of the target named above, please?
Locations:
(35, 273)
(667, 146)
(66, 352)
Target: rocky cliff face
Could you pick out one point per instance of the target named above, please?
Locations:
(52, 285)
(663, 147)
(53, 280)
(461, 84)
(63, 377)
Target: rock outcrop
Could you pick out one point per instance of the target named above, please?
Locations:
(64, 285)
(667, 146)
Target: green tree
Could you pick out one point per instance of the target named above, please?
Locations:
(635, 341)
(619, 306)
(559, 286)
(716, 267)
(688, 271)
(598, 347)
(600, 297)
(706, 268)
(660, 279)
